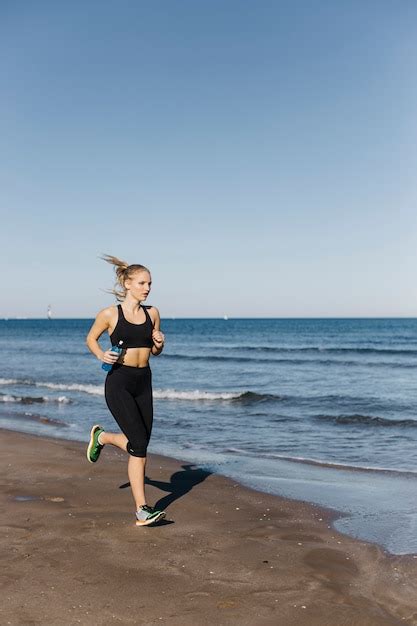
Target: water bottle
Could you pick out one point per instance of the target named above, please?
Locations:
(117, 350)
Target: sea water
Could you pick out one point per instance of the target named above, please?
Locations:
(322, 410)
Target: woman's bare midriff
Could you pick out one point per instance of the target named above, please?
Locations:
(135, 357)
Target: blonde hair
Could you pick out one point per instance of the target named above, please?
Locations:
(123, 272)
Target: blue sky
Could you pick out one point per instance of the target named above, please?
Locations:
(260, 157)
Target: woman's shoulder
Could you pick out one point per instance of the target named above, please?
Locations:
(108, 312)
(153, 311)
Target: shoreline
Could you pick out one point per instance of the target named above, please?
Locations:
(225, 552)
(343, 518)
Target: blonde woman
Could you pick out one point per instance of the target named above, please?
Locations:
(128, 386)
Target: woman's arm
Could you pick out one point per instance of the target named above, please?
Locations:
(100, 325)
(157, 337)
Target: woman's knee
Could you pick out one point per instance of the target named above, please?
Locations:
(136, 449)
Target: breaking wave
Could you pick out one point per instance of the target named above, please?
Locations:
(246, 397)
(4, 397)
(367, 420)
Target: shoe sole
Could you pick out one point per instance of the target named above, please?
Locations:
(90, 445)
(146, 522)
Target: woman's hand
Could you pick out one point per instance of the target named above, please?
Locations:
(158, 338)
(109, 357)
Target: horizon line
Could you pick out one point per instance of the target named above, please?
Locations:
(286, 317)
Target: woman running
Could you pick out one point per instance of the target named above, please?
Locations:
(128, 386)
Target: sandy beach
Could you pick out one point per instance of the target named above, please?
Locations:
(225, 554)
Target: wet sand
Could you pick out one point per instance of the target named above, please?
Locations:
(225, 554)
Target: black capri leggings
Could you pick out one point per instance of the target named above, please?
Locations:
(128, 393)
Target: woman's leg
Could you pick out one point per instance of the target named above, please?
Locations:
(135, 468)
(136, 472)
(115, 439)
(137, 464)
(127, 413)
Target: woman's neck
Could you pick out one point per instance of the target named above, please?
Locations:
(131, 305)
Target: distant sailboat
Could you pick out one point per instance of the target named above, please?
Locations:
(49, 312)
(225, 317)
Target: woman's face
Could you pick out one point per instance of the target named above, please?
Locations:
(139, 285)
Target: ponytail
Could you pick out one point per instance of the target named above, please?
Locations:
(123, 272)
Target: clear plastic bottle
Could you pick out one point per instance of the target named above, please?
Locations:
(117, 350)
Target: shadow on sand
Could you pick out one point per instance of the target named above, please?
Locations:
(179, 484)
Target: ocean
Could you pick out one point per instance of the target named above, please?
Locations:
(322, 410)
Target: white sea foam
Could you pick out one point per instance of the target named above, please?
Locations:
(96, 390)
(320, 462)
(91, 389)
(173, 394)
(7, 398)
(33, 400)
(160, 394)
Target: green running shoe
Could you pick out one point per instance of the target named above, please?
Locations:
(94, 447)
(146, 515)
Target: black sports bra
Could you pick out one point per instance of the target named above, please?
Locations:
(132, 335)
